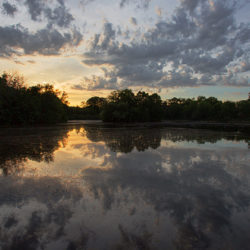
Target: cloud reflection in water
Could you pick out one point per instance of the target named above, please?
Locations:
(97, 187)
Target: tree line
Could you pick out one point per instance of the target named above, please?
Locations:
(125, 106)
(21, 105)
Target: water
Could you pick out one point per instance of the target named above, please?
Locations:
(96, 187)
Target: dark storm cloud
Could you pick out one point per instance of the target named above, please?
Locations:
(198, 45)
(45, 41)
(9, 9)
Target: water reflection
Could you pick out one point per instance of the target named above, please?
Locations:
(18, 145)
(124, 188)
(125, 140)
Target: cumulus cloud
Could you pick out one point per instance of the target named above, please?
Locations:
(31, 61)
(244, 66)
(158, 11)
(190, 5)
(133, 20)
(35, 8)
(9, 9)
(85, 2)
(180, 78)
(198, 45)
(78, 87)
(104, 40)
(16, 40)
(96, 82)
(140, 4)
(59, 15)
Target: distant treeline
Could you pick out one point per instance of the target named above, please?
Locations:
(206, 109)
(121, 106)
(21, 105)
(125, 106)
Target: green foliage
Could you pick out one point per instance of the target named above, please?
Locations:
(207, 109)
(125, 106)
(89, 111)
(21, 105)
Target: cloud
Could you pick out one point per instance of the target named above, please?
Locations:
(205, 63)
(35, 8)
(16, 40)
(19, 62)
(31, 61)
(140, 4)
(158, 11)
(96, 82)
(85, 2)
(103, 41)
(180, 78)
(200, 44)
(190, 5)
(133, 21)
(232, 80)
(77, 87)
(244, 33)
(59, 15)
(9, 9)
(244, 65)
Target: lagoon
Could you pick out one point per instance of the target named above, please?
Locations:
(97, 186)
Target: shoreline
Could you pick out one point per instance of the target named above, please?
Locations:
(212, 125)
(175, 124)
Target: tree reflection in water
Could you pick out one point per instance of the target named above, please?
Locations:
(158, 191)
(38, 144)
(124, 140)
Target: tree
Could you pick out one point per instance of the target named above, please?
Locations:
(96, 101)
(125, 106)
(29, 105)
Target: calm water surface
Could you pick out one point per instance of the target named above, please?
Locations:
(96, 187)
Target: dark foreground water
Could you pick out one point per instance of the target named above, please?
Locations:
(95, 187)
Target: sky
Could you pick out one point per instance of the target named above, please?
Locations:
(182, 48)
